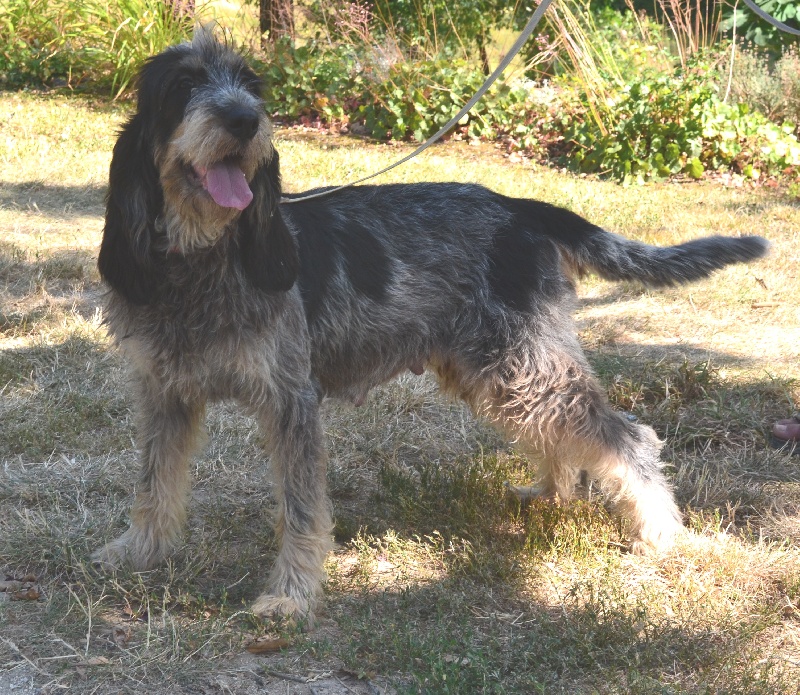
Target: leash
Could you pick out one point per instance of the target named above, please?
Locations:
(521, 39)
(515, 49)
(769, 18)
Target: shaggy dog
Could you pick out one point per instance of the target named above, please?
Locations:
(219, 289)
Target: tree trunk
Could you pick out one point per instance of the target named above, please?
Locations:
(276, 20)
(484, 56)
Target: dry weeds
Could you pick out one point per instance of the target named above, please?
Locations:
(439, 582)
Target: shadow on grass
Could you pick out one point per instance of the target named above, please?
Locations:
(682, 393)
(450, 637)
(54, 200)
(465, 629)
(70, 275)
(63, 398)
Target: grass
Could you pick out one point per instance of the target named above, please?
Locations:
(439, 583)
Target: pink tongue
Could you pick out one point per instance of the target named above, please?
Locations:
(228, 187)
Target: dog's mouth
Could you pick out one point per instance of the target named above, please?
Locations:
(225, 182)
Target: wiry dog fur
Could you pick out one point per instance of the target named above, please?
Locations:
(279, 305)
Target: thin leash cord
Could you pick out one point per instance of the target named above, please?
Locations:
(521, 39)
(769, 18)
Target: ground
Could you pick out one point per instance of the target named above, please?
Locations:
(439, 581)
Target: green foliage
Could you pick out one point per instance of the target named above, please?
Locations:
(750, 26)
(765, 84)
(307, 82)
(465, 20)
(39, 40)
(138, 29)
(677, 124)
(417, 99)
(617, 107)
(655, 127)
(434, 26)
(100, 41)
(407, 100)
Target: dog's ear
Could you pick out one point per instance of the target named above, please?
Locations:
(132, 204)
(268, 249)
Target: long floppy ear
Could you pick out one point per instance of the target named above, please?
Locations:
(268, 250)
(133, 201)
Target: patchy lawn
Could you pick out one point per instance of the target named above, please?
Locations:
(440, 583)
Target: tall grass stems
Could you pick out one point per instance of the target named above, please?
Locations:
(101, 41)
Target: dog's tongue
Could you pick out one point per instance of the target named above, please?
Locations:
(227, 185)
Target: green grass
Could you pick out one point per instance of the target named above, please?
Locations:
(440, 583)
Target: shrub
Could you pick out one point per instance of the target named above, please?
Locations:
(756, 30)
(135, 30)
(429, 26)
(765, 84)
(41, 40)
(417, 99)
(678, 124)
(309, 82)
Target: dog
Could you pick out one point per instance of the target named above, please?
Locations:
(219, 290)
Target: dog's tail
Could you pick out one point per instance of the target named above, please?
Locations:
(614, 257)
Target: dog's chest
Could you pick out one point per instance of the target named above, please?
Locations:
(211, 349)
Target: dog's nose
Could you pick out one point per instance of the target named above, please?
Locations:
(242, 122)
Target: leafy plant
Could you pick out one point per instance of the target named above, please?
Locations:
(42, 40)
(751, 27)
(418, 99)
(765, 84)
(677, 124)
(430, 27)
(304, 81)
(138, 29)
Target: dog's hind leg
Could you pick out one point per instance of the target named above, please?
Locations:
(303, 524)
(552, 402)
(168, 430)
(542, 392)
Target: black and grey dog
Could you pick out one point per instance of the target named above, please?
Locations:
(219, 291)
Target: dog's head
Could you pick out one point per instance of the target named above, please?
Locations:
(194, 164)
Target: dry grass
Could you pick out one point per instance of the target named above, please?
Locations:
(439, 582)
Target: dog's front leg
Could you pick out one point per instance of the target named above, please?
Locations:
(303, 524)
(168, 430)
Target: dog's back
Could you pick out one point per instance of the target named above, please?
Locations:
(471, 229)
(397, 276)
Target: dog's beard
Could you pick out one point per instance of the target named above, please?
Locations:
(192, 219)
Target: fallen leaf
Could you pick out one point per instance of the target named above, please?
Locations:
(97, 661)
(267, 644)
(30, 594)
(121, 634)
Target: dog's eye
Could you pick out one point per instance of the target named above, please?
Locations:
(186, 84)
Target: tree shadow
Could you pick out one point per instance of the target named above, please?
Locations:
(67, 276)
(53, 200)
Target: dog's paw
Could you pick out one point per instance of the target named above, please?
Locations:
(112, 556)
(133, 549)
(656, 541)
(272, 607)
(529, 493)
